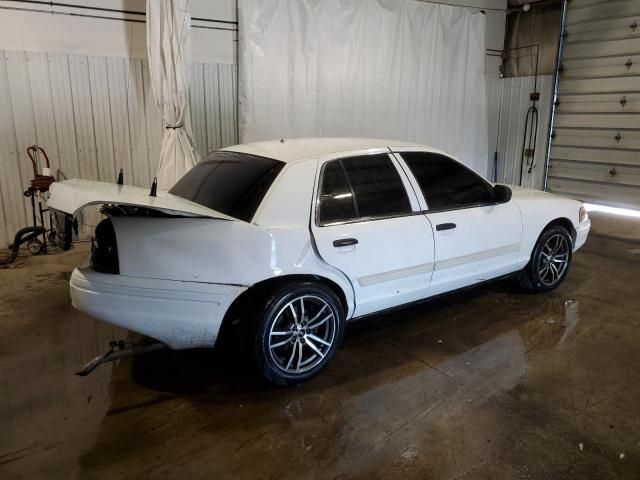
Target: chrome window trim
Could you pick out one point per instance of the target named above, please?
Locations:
(368, 219)
(412, 180)
(463, 207)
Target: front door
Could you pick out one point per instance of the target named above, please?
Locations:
(367, 223)
(476, 239)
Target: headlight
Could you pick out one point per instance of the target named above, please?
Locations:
(583, 214)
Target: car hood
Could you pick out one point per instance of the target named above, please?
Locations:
(69, 196)
(527, 198)
(521, 192)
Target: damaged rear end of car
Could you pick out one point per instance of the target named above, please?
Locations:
(168, 265)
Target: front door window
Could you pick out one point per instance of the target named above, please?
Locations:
(447, 184)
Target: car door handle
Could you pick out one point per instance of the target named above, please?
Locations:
(345, 242)
(445, 226)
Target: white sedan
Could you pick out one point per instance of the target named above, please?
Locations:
(296, 238)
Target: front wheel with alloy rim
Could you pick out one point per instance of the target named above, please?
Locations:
(549, 262)
(298, 332)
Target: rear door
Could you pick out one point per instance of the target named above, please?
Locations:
(367, 223)
(476, 239)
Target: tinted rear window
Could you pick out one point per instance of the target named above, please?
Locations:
(377, 186)
(230, 182)
(367, 186)
(336, 198)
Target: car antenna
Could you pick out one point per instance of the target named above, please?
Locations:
(154, 187)
(121, 177)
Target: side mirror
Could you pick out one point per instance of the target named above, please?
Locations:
(501, 193)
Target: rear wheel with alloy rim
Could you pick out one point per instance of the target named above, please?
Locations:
(549, 262)
(298, 332)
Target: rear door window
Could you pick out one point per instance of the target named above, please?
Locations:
(362, 187)
(337, 203)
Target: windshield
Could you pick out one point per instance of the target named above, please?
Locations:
(232, 183)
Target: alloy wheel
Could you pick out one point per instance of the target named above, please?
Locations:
(554, 259)
(302, 334)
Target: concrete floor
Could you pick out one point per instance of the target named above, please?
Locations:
(490, 383)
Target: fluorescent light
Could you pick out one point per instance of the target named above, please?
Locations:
(342, 195)
(626, 212)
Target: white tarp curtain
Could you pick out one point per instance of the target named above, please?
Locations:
(169, 51)
(395, 69)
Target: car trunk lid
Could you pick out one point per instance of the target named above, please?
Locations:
(69, 196)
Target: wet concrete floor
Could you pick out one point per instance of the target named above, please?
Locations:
(488, 383)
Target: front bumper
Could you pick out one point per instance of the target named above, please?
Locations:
(179, 314)
(582, 232)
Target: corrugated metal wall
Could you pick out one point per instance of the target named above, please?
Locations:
(595, 154)
(93, 116)
(511, 96)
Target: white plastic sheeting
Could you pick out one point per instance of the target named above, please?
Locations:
(396, 69)
(169, 51)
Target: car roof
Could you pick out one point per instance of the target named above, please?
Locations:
(290, 150)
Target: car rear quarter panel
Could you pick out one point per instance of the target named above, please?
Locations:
(288, 201)
(218, 252)
(191, 249)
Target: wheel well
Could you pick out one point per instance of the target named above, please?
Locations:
(562, 222)
(240, 307)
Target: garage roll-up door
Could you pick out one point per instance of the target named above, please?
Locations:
(595, 149)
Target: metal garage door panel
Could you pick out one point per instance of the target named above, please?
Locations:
(599, 35)
(596, 172)
(585, 3)
(605, 71)
(601, 67)
(598, 120)
(612, 139)
(599, 85)
(592, 155)
(596, 192)
(628, 46)
(602, 10)
(608, 29)
(601, 103)
(595, 150)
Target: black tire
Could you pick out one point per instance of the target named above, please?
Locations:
(63, 228)
(272, 322)
(67, 234)
(530, 277)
